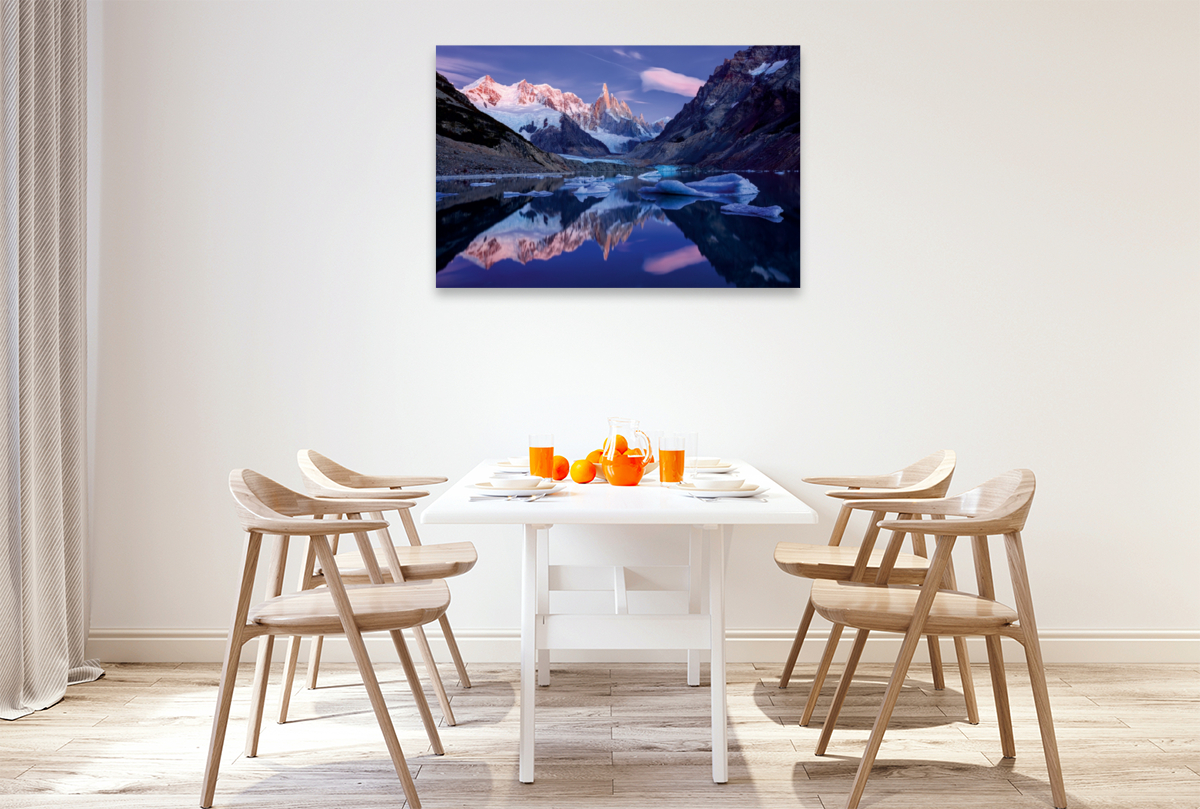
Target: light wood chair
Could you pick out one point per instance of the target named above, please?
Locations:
(406, 563)
(998, 507)
(266, 508)
(928, 477)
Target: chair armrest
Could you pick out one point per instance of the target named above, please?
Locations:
(360, 494)
(915, 505)
(949, 528)
(397, 481)
(878, 494)
(308, 528)
(855, 481)
(348, 505)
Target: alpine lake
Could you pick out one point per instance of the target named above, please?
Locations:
(546, 231)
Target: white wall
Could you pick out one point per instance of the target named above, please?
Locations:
(1000, 256)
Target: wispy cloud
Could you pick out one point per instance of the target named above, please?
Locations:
(462, 71)
(659, 78)
(676, 259)
(628, 54)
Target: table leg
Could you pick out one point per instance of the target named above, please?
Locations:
(716, 609)
(529, 562)
(543, 599)
(695, 568)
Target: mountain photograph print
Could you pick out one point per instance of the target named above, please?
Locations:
(592, 167)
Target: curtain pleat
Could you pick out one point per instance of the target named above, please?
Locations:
(43, 570)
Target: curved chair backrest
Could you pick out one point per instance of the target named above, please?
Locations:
(928, 477)
(999, 506)
(1003, 500)
(326, 477)
(260, 500)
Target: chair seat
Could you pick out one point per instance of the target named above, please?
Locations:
(376, 607)
(837, 563)
(889, 608)
(417, 562)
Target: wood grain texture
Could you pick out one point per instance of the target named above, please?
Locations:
(1129, 737)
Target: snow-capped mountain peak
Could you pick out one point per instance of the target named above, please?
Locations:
(529, 108)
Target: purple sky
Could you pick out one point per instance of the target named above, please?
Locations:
(654, 80)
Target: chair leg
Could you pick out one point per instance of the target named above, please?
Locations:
(1008, 742)
(367, 672)
(964, 658)
(233, 651)
(414, 684)
(464, 679)
(912, 638)
(374, 693)
(314, 661)
(839, 697)
(968, 682)
(220, 722)
(262, 666)
(935, 662)
(790, 663)
(895, 685)
(835, 634)
(1037, 669)
(258, 693)
(434, 676)
(289, 676)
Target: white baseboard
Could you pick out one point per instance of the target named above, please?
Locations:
(742, 646)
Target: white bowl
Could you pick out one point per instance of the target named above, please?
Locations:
(518, 482)
(700, 463)
(519, 461)
(723, 483)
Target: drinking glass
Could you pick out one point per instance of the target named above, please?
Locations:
(541, 455)
(671, 455)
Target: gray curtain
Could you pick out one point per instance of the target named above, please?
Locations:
(43, 495)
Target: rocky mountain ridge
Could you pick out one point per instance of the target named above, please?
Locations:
(746, 116)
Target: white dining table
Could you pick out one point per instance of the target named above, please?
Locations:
(597, 503)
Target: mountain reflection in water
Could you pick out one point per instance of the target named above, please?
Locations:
(624, 239)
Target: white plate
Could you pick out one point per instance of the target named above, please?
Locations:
(509, 466)
(709, 470)
(708, 465)
(498, 489)
(747, 490)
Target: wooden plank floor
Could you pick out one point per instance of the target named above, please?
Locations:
(624, 735)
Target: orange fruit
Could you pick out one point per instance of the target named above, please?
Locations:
(634, 451)
(583, 471)
(560, 467)
(595, 455)
(622, 444)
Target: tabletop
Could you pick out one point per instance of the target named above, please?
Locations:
(648, 503)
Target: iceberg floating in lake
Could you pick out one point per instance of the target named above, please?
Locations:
(593, 190)
(511, 194)
(772, 213)
(724, 185)
(442, 194)
(481, 185)
(650, 176)
(540, 194)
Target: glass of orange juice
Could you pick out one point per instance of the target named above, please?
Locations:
(671, 448)
(541, 455)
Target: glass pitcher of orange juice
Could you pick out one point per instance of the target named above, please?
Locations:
(628, 453)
